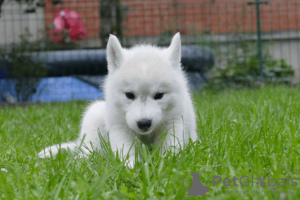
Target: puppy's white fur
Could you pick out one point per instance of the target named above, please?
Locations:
(143, 71)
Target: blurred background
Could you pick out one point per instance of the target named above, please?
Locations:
(54, 50)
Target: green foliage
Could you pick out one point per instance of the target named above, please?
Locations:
(239, 66)
(112, 14)
(22, 69)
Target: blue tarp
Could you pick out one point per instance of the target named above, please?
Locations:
(56, 89)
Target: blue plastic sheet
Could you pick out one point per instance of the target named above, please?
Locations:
(56, 89)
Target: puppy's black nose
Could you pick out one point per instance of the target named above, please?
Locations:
(144, 124)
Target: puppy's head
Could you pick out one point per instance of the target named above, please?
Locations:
(144, 83)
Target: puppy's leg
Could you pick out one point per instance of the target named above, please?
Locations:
(46, 153)
(123, 142)
(93, 123)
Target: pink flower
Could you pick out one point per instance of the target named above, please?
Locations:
(70, 20)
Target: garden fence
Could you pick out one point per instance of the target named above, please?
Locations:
(66, 35)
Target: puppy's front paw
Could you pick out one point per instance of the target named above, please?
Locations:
(47, 152)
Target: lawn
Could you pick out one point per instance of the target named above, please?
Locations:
(244, 135)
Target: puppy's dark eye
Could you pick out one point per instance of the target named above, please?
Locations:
(130, 95)
(158, 95)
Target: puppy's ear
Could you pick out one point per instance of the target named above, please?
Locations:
(114, 53)
(175, 50)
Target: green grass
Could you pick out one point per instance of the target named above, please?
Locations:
(245, 132)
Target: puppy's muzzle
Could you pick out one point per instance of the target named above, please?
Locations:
(144, 124)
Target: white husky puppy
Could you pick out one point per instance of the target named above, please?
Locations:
(146, 95)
